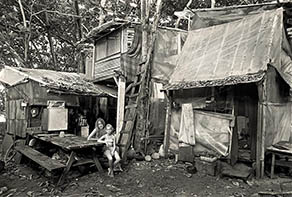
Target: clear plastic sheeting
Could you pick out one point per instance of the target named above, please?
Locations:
(277, 123)
(207, 130)
(174, 130)
(213, 131)
(167, 47)
(187, 126)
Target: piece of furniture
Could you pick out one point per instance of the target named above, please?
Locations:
(72, 145)
(287, 153)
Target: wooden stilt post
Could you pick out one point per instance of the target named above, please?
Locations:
(167, 123)
(263, 133)
(260, 141)
(121, 105)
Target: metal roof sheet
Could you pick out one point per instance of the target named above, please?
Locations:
(63, 82)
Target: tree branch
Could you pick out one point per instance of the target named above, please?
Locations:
(56, 12)
(20, 61)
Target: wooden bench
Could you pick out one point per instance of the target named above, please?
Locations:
(41, 159)
(282, 153)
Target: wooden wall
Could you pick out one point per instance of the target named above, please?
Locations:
(32, 94)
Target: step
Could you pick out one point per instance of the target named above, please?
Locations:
(41, 159)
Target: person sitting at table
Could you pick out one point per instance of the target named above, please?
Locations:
(111, 150)
(98, 131)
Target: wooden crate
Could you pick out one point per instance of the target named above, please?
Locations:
(210, 168)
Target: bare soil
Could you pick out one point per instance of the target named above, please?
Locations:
(156, 178)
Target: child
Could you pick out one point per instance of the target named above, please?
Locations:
(110, 149)
(98, 131)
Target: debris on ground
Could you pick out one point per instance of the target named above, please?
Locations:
(113, 188)
(148, 158)
(239, 170)
(140, 178)
(3, 190)
(155, 156)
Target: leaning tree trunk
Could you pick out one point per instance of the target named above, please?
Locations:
(54, 59)
(26, 36)
(81, 63)
(142, 125)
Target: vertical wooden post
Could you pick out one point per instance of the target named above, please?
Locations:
(167, 123)
(259, 139)
(144, 19)
(91, 74)
(121, 105)
(234, 139)
(263, 133)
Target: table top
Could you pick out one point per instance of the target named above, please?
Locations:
(69, 141)
(277, 150)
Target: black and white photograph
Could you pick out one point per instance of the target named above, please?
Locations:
(126, 98)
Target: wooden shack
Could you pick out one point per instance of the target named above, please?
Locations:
(230, 91)
(30, 90)
(116, 60)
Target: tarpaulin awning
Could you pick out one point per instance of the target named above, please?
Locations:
(231, 53)
(167, 47)
(215, 16)
(62, 82)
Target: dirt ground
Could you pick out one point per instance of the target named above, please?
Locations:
(140, 178)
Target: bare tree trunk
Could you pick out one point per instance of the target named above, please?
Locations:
(51, 41)
(78, 20)
(79, 36)
(26, 36)
(142, 125)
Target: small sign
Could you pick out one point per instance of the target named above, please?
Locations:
(56, 104)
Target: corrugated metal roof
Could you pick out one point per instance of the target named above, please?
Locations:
(103, 30)
(63, 82)
(231, 53)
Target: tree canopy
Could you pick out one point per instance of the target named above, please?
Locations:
(44, 33)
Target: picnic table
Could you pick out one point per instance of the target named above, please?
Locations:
(69, 143)
(282, 150)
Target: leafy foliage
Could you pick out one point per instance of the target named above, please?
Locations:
(48, 36)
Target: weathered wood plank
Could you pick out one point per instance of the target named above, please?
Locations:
(71, 142)
(20, 111)
(121, 105)
(43, 160)
(12, 109)
(167, 124)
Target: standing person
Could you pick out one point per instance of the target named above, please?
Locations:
(98, 131)
(111, 149)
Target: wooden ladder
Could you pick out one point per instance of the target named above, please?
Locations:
(135, 96)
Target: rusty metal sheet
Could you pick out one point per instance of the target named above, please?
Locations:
(20, 111)
(12, 110)
(55, 81)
